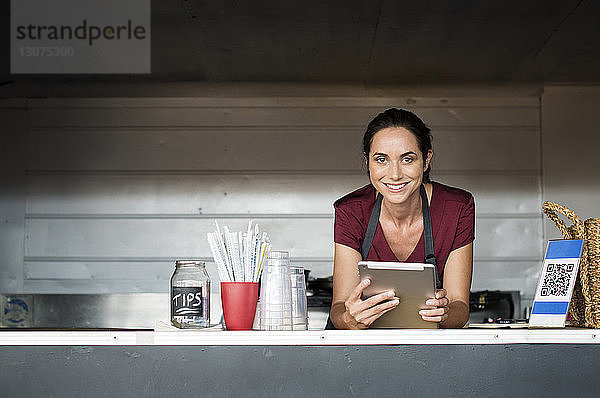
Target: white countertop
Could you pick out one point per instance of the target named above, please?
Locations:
(301, 338)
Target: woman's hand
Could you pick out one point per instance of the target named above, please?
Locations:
(438, 311)
(360, 314)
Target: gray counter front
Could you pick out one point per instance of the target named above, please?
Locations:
(465, 362)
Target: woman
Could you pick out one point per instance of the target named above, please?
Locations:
(397, 152)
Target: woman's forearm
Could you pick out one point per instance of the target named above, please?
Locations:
(337, 315)
(458, 315)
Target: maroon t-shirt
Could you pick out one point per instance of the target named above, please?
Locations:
(452, 218)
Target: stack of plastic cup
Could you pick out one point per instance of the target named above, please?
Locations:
(256, 325)
(276, 293)
(299, 304)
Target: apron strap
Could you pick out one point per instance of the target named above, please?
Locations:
(371, 227)
(428, 237)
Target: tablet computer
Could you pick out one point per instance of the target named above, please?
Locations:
(413, 283)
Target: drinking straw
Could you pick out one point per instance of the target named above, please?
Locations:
(223, 252)
(247, 256)
(218, 256)
(239, 256)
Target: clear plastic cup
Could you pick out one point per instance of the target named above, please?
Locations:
(276, 293)
(299, 302)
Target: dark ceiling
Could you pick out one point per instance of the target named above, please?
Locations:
(370, 42)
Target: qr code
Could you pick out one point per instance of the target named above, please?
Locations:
(557, 279)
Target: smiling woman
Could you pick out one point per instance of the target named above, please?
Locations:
(397, 152)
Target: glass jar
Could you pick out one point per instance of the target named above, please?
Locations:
(190, 295)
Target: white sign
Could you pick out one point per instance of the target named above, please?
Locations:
(75, 36)
(555, 287)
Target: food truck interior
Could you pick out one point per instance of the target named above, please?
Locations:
(256, 111)
(115, 168)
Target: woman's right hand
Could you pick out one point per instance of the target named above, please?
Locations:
(360, 314)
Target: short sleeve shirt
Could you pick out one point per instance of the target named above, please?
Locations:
(452, 217)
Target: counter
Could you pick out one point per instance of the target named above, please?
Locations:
(304, 338)
(464, 362)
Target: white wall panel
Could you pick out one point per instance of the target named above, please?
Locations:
(180, 238)
(187, 194)
(492, 150)
(501, 193)
(508, 238)
(174, 238)
(303, 112)
(151, 270)
(91, 286)
(248, 193)
(570, 142)
(265, 149)
(12, 193)
(213, 149)
(507, 275)
(100, 270)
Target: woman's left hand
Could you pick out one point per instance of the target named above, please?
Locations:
(439, 307)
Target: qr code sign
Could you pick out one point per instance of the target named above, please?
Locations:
(557, 279)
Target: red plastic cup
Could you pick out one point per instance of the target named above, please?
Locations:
(239, 304)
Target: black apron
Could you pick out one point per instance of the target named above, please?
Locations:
(427, 232)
